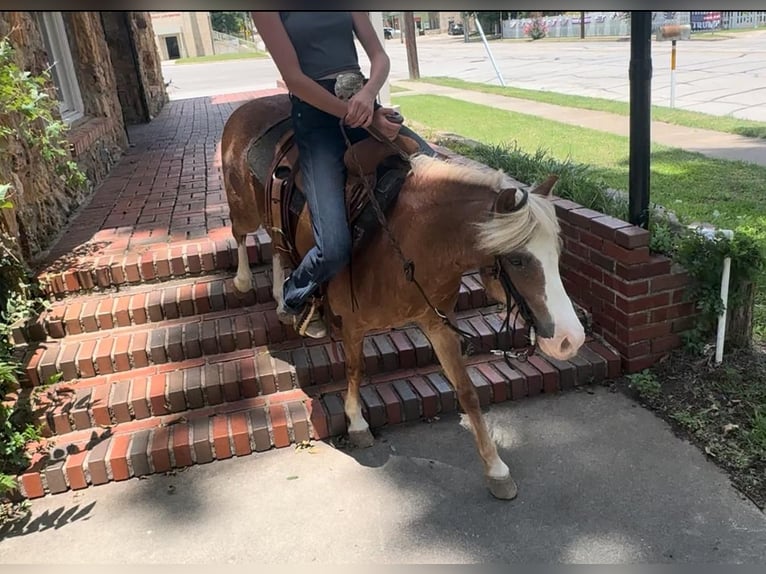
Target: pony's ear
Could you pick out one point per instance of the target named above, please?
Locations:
(546, 187)
(506, 200)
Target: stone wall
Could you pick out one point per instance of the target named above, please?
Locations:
(43, 203)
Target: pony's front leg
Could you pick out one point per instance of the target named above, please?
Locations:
(243, 281)
(358, 430)
(446, 344)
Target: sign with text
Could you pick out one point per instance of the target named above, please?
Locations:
(705, 20)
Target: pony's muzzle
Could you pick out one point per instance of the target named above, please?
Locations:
(564, 344)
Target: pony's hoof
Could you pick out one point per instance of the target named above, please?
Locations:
(242, 286)
(361, 438)
(503, 488)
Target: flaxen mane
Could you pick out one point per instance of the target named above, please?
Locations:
(501, 232)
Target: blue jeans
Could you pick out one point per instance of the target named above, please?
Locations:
(321, 147)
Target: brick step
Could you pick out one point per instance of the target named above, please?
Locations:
(151, 265)
(180, 298)
(125, 348)
(252, 425)
(176, 386)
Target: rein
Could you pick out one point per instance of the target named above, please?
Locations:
(408, 266)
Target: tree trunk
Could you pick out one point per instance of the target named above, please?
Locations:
(582, 25)
(412, 49)
(739, 320)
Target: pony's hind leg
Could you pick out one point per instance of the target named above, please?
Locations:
(447, 347)
(358, 430)
(243, 281)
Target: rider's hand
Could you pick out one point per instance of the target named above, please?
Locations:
(382, 124)
(360, 109)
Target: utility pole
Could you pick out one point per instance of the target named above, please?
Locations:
(412, 49)
(640, 117)
(582, 25)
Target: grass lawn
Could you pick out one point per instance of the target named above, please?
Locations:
(221, 57)
(659, 113)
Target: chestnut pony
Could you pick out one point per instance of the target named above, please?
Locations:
(450, 218)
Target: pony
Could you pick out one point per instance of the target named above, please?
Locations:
(450, 217)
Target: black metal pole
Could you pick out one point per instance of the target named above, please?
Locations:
(640, 116)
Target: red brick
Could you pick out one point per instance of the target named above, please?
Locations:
(221, 437)
(118, 457)
(550, 375)
(391, 400)
(138, 350)
(635, 350)
(99, 402)
(31, 369)
(181, 445)
(612, 359)
(299, 421)
(177, 264)
(632, 237)
(444, 391)
(248, 378)
(591, 240)
(627, 256)
(373, 405)
(159, 450)
(72, 318)
(666, 343)
(201, 297)
(603, 293)
(581, 218)
(657, 265)
(260, 429)
(279, 425)
(117, 272)
(104, 314)
(334, 351)
(32, 485)
(336, 416)
(138, 401)
(163, 266)
(230, 381)
(103, 356)
(157, 394)
(240, 434)
(481, 385)
(74, 470)
(638, 364)
(604, 261)
(684, 324)
(55, 322)
(644, 333)
(85, 358)
(607, 226)
(427, 396)
(147, 266)
(60, 418)
(318, 418)
(517, 382)
(120, 353)
(627, 288)
(121, 311)
(67, 361)
(404, 349)
(634, 304)
(410, 402)
(88, 316)
(70, 281)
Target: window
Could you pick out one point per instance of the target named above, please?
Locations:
(62, 66)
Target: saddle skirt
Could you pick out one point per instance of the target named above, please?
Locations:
(369, 162)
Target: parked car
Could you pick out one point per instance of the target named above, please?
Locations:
(389, 33)
(456, 29)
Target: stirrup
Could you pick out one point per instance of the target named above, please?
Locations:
(309, 322)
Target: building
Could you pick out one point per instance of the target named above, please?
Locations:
(105, 74)
(183, 34)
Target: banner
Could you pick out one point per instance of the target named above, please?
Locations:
(705, 21)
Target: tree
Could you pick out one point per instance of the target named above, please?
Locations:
(489, 21)
(228, 22)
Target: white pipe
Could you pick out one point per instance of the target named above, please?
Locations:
(489, 52)
(725, 276)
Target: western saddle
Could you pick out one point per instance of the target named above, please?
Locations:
(370, 162)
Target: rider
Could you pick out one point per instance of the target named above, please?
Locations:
(311, 49)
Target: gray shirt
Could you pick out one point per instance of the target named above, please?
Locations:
(323, 42)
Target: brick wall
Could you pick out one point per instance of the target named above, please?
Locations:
(636, 298)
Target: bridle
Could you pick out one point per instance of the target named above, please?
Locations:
(514, 299)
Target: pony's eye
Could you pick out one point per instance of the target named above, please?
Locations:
(516, 262)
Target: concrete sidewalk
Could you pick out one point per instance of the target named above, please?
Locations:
(713, 144)
(601, 480)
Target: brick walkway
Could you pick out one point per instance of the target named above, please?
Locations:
(163, 203)
(162, 365)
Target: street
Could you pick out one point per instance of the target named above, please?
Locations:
(722, 77)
